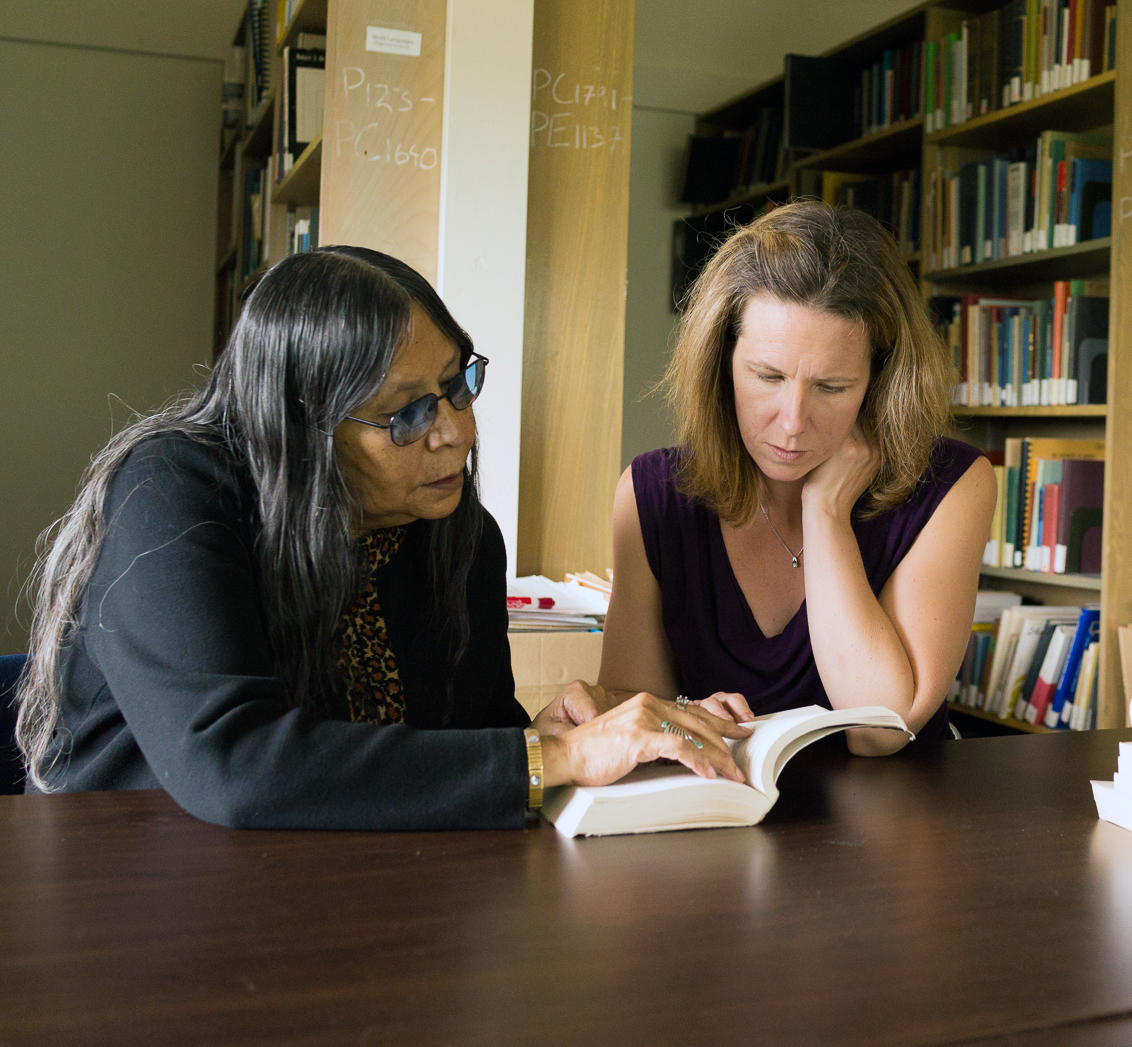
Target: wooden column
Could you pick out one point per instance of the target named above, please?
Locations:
(382, 135)
(425, 151)
(574, 324)
(1116, 601)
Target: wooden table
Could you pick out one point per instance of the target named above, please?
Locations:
(966, 896)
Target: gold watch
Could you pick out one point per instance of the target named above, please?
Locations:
(534, 768)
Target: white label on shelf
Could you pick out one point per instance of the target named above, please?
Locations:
(393, 41)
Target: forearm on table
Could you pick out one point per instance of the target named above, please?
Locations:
(857, 649)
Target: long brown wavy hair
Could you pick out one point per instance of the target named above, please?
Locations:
(843, 262)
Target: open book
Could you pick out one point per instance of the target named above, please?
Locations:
(657, 797)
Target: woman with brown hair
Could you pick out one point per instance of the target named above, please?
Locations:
(815, 537)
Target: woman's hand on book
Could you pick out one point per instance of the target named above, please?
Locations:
(576, 703)
(728, 705)
(603, 749)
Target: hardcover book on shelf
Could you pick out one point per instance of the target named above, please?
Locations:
(1080, 517)
(1086, 320)
(305, 70)
(764, 152)
(1049, 673)
(662, 797)
(972, 683)
(1090, 200)
(1087, 631)
(1013, 75)
(1083, 717)
(1019, 633)
(1035, 450)
(1092, 371)
(1054, 147)
(967, 689)
(1046, 496)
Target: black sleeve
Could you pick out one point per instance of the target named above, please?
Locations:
(173, 623)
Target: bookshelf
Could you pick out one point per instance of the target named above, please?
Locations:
(256, 206)
(534, 136)
(904, 137)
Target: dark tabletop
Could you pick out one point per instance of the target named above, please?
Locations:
(965, 895)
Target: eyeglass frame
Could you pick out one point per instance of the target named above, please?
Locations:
(474, 358)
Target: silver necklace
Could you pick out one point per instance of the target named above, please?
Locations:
(793, 555)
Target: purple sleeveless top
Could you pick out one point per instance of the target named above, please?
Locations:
(714, 638)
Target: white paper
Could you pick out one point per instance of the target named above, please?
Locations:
(393, 41)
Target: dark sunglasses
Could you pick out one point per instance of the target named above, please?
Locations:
(409, 424)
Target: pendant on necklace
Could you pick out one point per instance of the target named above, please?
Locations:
(793, 560)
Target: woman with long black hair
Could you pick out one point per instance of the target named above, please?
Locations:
(282, 601)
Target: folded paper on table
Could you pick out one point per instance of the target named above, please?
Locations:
(1114, 799)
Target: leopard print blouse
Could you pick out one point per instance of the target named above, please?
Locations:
(366, 662)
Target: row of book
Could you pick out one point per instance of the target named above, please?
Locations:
(1036, 664)
(888, 91)
(258, 46)
(1023, 352)
(720, 166)
(300, 230)
(893, 198)
(284, 11)
(1049, 516)
(976, 64)
(232, 96)
(827, 101)
(1054, 193)
(301, 98)
(1022, 51)
(254, 241)
(830, 99)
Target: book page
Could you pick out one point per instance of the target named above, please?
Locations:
(779, 736)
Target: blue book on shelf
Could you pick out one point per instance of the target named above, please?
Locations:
(999, 167)
(1061, 706)
(1090, 199)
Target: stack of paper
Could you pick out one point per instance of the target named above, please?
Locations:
(536, 602)
(1114, 799)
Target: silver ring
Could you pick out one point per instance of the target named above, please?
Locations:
(682, 701)
(668, 727)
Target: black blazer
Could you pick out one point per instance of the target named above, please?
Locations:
(168, 679)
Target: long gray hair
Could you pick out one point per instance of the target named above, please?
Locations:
(314, 342)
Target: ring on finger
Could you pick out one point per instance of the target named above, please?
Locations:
(668, 727)
(682, 701)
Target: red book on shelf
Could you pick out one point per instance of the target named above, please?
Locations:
(1060, 305)
(1049, 675)
(1051, 501)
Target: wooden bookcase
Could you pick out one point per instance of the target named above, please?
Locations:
(1104, 100)
(565, 296)
(252, 147)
